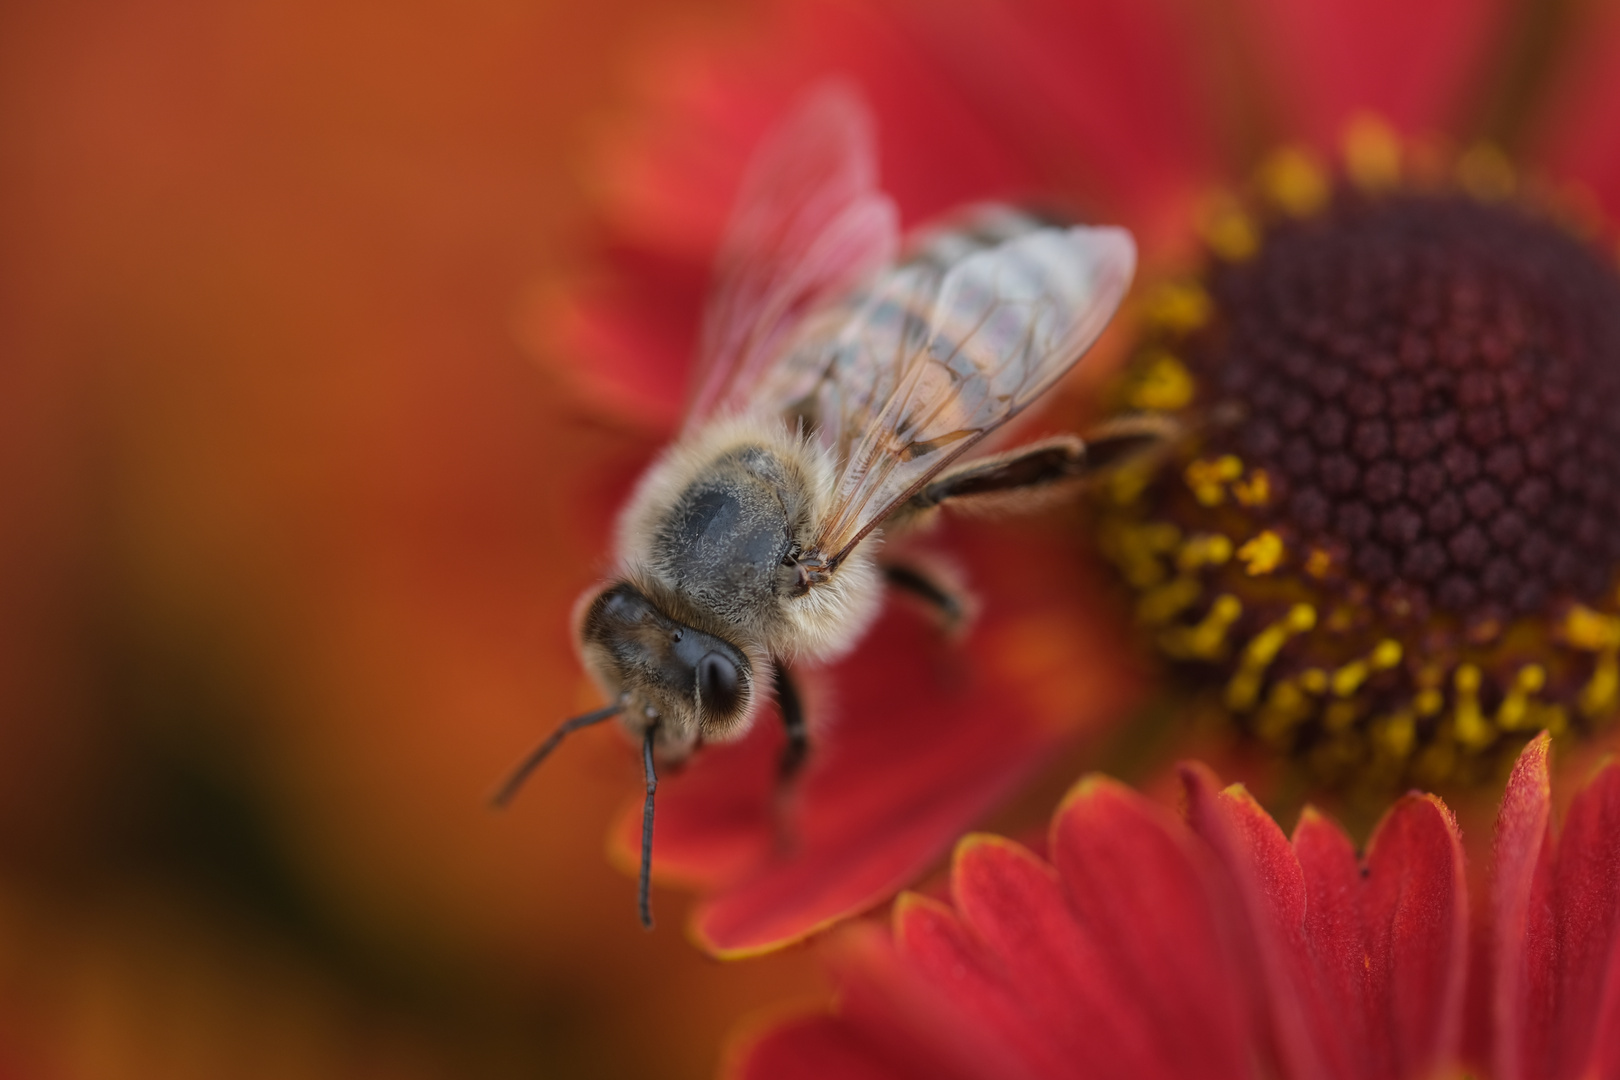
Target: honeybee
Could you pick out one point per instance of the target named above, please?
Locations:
(839, 387)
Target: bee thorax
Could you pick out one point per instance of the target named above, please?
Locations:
(722, 531)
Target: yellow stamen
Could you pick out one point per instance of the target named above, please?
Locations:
(1293, 180)
(1516, 709)
(1179, 306)
(1261, 555)
(1230, 232)
(1348, 679)
(1164, 384)
(1286, 706)
(1207, 549)
(1158, 606)
(1473, 730)
(1207, 640)
(1208, 479)
(1253, 491)
(1599, 693)
(1244, 688)
(1393, 735)
(1486, 173)
(1589, 630)
(1339, 715)
(1372, 153)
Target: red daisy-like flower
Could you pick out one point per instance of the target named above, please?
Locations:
(1147, 945)
(1131, 113)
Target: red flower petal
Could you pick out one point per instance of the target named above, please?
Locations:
(1336, 929)
(815, 1048)
(1585, 935)
(1055, 970)
(902, 1016)
(1415, 910)
(1371, 985)
(1415, 64)
(1555, 940)
(1141, 890)
(1519, 889)
(1269, 888)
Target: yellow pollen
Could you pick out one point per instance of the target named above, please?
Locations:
(1342, 618)
(1285, 707)
(1230, 232)
(1165, 385)
(1208, 479)
(1255, 490)
(1319, 563)
(1179, 306)
(1429, 702)
(1473, 730)
(1207, 640)
(1599, 693)
(1293, 180)
(1261, 555)
(1589, 630)
(1314, 679)
(1126, 483)
(1516, 709)
(1348, 679)
(1243, 690)
(1206, 549)
(1339, 715)
(1372, 153)
(1486, 173)
(1394, 735)
(1158, 606)
(1137, 549)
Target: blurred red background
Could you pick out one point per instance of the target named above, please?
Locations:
(283, 551)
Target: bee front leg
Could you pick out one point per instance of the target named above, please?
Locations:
(947, 604)
(798, 736)
(794, 753)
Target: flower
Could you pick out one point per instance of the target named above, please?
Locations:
(1129, 113)
(1149, 945)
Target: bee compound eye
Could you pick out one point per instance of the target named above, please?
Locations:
(719, 685)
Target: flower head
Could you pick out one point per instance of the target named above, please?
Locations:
(1145, 944)
(1391, 533)
(1127, 112)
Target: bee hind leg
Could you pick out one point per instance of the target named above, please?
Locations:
(1030, 473)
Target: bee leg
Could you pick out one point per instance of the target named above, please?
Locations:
(1020, 474)
(644, 886)
(943, 602)
(794, 753)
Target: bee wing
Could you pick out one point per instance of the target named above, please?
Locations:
(935, 358)
(809, 225)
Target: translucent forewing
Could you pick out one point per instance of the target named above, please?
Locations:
(931, 361)
(810, 224)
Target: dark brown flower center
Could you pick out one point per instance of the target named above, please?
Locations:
(1393, 530)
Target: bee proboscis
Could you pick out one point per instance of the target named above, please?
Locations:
(839, 389)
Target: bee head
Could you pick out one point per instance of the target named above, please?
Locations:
(688, 682)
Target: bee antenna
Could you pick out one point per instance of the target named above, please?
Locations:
(509, 789)
(645, 889)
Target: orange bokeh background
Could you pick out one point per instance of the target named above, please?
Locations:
(285, 547)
